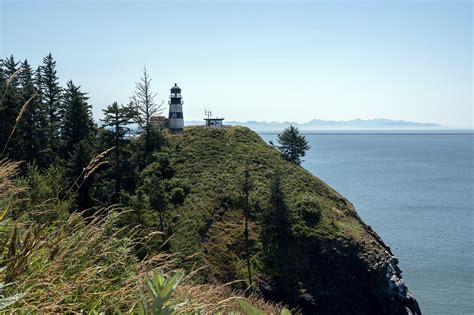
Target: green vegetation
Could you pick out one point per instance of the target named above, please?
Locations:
(292, 145)
(118, 119)
(93, 211)
(212, 217)
(90, 211)
(276, 233)
(247, 186)
(71, 264)
(161, 288)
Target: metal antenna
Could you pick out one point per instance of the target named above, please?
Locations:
(208, 113)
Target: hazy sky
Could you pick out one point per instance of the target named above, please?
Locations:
(265, 60)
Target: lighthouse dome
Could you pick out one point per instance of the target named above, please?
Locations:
(175, 89)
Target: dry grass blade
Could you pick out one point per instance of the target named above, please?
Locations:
(13, 76)
(18, 118)
(9, 81)
(8, 169)
(94, 164)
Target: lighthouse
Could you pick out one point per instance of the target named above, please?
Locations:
(175, 118)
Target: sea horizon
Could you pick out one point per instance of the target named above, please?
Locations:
(374, 131)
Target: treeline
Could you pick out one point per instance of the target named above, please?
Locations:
(50, 128)
(46, 122)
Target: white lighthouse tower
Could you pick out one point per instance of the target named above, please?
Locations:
(175, 118)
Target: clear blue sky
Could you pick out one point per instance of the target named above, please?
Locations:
(265, 60)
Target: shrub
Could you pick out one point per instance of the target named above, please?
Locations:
(177, 196)
(309, 208)
(44, 194)
(307, 216)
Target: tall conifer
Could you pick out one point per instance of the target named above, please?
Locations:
(44, 156)
(143, 100)
(25, 141)
(293, 145)
(52, 101)
(117, 120)
(247, 187)
(77, 124)
(10, 102)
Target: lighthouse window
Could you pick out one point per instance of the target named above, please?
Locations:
(179, 115)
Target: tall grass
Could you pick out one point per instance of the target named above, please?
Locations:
(72, 265)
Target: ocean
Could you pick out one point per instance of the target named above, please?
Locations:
(415, 188)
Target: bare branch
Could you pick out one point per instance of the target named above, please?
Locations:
(143, 99)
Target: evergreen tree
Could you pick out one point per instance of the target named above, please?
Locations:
(77, 129)
(10, 102)
(158, 198)
(153, 185)
(143, 100)
(77, 124)
(45, 154)
(51, 92)
(3, 82)
(156, 177)
(26, 142)
(247, 186)
(118, 119)
(292, 145)
(78, 159)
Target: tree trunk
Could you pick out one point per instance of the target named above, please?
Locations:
(246, 234)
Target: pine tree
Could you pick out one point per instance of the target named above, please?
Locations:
(118, 119)
(10, 102)
(292, 145)
(76, 162)
(26, 137)
(153, 186)
(51, 92)
(3, 81)
(143, 100)
(158, 198)
(77, 124)
(247, 186)
(45, 154)
(155, 178)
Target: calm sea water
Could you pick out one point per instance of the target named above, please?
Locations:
(416, 191)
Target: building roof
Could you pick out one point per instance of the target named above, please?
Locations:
(157, 119)
(214, 118)
(175, 88)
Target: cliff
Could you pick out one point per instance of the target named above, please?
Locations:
(335, 263)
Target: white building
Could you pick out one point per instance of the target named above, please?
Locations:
(214, 122)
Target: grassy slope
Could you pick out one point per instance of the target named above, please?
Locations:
(69, 265)
(211, 221)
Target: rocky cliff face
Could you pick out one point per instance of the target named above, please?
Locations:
(334, 263)
(345, 276)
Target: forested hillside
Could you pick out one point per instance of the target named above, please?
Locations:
(88, 209)
(82, 204)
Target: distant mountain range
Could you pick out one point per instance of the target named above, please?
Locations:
(318, 124)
